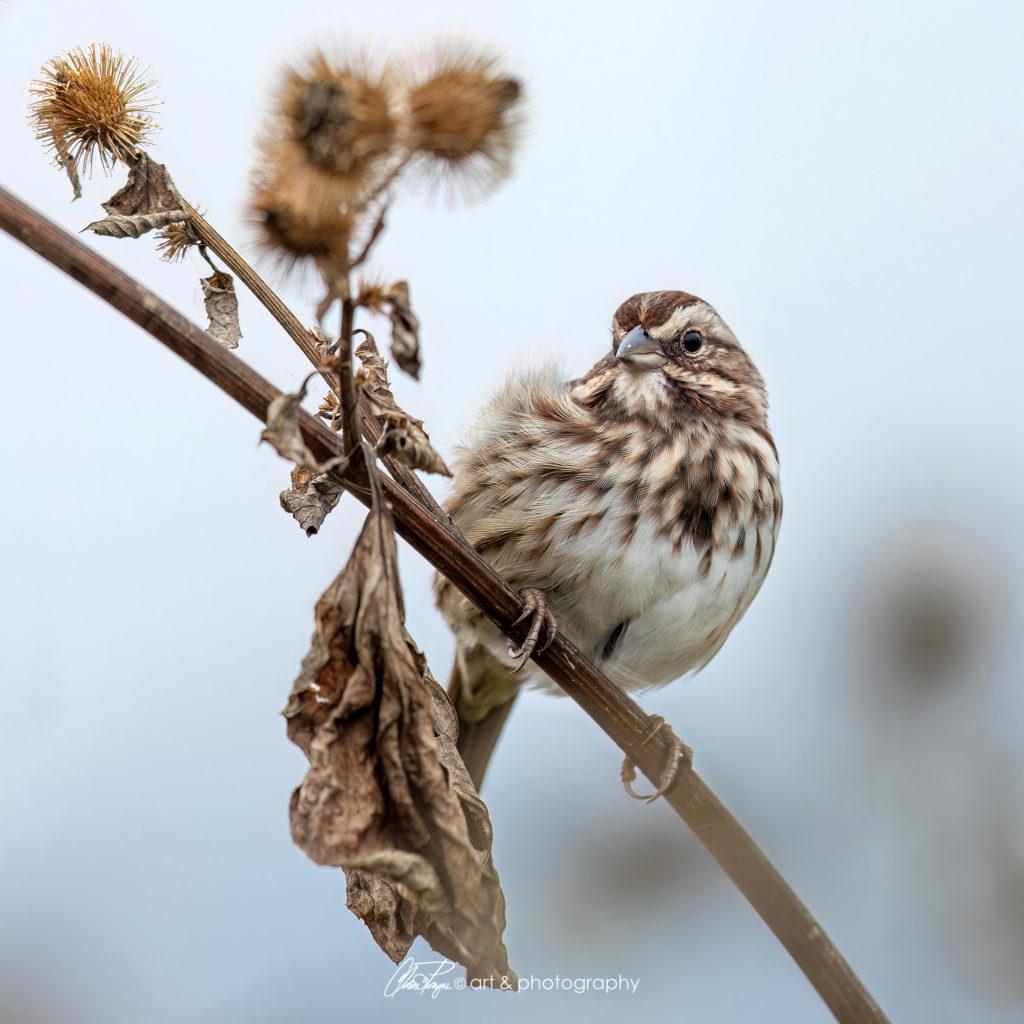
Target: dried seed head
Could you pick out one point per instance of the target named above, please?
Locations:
(373, 294)
(175, 240)
(465, 117)
(341, 115)
(92, 101)
(298, 209)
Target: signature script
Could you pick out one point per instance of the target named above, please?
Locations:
(429, 976)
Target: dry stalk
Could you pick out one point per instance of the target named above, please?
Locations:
(309, 346)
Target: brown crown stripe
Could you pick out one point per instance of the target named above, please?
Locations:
(651, 309)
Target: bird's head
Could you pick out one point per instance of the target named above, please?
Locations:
(672, 354)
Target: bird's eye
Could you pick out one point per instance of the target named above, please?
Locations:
(692, 341)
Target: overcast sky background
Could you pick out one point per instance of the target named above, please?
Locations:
(843, 183)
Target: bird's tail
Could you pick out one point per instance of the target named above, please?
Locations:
(483, 691)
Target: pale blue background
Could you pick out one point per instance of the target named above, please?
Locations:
(843, 182)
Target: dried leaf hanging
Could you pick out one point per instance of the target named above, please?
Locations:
(403, 436)
(386, 797)
(330, 410)
(221, 304)
(405, 330)
(392, 301)
(148, 200)
(149, 189)
(311, 498)
(284, 434)
(407, 442)
(135, 226)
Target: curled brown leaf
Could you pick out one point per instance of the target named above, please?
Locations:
(311, 498)
(221, 304)
(136, 225)
(392, 300)
(406, 441)
(330, 410)
(405, 330)
(149, 189)
(386, 797)
(148, 200)
(403, 436)
(284, 434)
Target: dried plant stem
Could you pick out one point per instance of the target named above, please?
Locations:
(308, 345)
(245, 273)
(618, 715)
(346, 383)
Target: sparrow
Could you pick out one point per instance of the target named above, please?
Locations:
(636, 508)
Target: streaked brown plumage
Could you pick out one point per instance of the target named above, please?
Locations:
(642, 499)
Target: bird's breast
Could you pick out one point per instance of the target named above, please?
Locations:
(666, 557)
(649, 542)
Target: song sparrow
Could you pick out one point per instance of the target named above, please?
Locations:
(639, 504)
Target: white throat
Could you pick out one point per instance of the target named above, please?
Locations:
(642, 392)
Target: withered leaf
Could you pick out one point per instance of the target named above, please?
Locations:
(403, 436)
(330, 410)
(406, 441)
(136, 225)
(405, 329)
(282, 429)
(283, 433)
(320, 340)
(149, 189)
(386, 797)
(221, 304)
(311, 498)
(148, 200)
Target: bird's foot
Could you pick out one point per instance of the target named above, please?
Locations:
(679, 754)
(535, 608)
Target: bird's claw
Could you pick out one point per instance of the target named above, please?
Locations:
(679, 754)
(535, 608)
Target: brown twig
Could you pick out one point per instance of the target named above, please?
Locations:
(619, 716)
(308, 346)
(248, 276)
(346, 382)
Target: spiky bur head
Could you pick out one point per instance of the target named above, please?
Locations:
(330, 143)
(341, 114)
(372, 294)
(299, 214)
(175, 240)
(465, 114)
(92, 101)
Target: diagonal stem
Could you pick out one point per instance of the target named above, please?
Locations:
(266, 295)
(308, 345)
(616, 713)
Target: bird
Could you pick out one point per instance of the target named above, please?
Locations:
(635, 508)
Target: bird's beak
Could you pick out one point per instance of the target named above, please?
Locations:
(641, 351)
